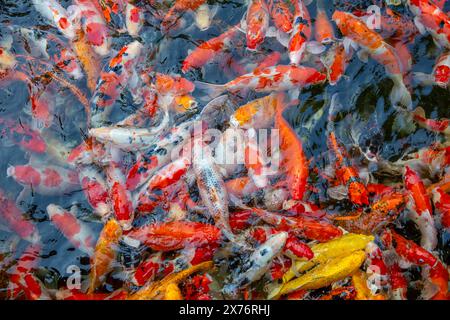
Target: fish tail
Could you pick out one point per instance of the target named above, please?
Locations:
(421, 78)
(212, 90)
(400, 96)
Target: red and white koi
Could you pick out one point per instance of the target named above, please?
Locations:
(95, 189)
(301, 33)
(134, 19)
(421, 209)
(276, 78)
(208, 50)
(440, 126)
(45, 179)
(94, 25)
(76, 231)
(121, 199)
(158, 155)
(371, 43)
(22, 135)
(441, 202)
(440, 75)
(113, 79)
(171, 18)
(169, 174)
(67, 61)
(430, 18)
(11, 214)
(376, 269)
(256, 23)
(255, 162)
(42, 107)
(54, 12)
(21, 278)
(281, 15)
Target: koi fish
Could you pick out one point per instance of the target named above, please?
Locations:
(257, 23)
(134, 19)
(44, 179)
(158, 155)
(208, 50)
(348, 175)
(327, 273)
(294, 248)
(77, 232)
(257, 114)
(415, 254)
(440, 75)
(398, 282)
(112, 80)
(18, 280)
(276, 78)
(94, 26)
(281, 15)
(176, 235)
(336, 61)
(441, 126)
(293, 157)
(104, 253)
(14, 219)
(258, 263)
(420, 208)
(95, 189)
(204, 16)
(430, 18)
(42, 107)
(158, 290)
(240, 186)
(121, 199)
(340, 246)
(301, 33)
(359, 281)
(87, 58)
(376, 269)
(22, 135)
(303, 226)
(255, 162)
(170, 19)
(229, 152)
(169, 174)
(126, 138)
(324, 31)
(7, 59)
(112, 13)
(54, 12)
(211, 187)
(68, 62)
(441, 202)
(372, 44)
(381, 212)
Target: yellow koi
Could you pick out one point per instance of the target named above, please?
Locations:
(325, 274)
